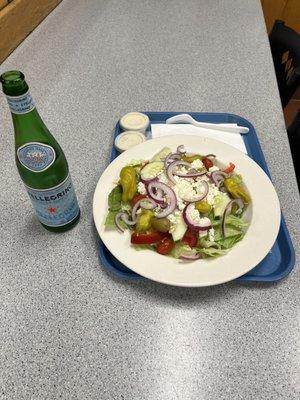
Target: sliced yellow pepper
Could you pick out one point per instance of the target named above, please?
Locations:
(128, 183)
(144, 221)
(235, 187)
(203, 207)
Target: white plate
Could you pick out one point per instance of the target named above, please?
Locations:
(262, 232)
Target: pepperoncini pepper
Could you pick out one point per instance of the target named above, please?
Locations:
(144, 221)
(128, 183)
(203, 207)
(235, 187)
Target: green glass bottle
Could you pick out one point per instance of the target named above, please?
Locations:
(40, 160)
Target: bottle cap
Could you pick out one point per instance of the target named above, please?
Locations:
(134, 121)
(128, 139)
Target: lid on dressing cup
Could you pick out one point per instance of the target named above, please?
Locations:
(128, 139)
(134, 121)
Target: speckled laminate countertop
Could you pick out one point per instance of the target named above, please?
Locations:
(70, 331)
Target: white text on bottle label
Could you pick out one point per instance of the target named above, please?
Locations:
(20, 104)
(55, 206)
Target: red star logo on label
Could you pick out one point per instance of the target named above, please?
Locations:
(52, 210)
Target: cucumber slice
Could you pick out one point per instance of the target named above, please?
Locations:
(220, 203)
(162, 154)
(152, 169)
(180, 228)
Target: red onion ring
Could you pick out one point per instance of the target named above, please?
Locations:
(127, 221)
(198, 227)
(174, 164)
(124, 217)
(142, 203)
(210, 156)
(155, 193)
(147, 181)
(170, 158)
(180, 149)
(189, 174)
(169, 193)
(190, 257)
(227, 211)
(118, 217)
(217, 177)
(209, 177)
(148, 204)
(200, 196)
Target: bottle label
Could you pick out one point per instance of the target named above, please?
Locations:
(20, 104)
(56, 206)
(36, 157)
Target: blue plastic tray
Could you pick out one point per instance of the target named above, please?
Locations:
(280, 260)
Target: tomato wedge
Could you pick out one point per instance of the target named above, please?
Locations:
(230, 168)
(165, 246)
(137, 198)
(207, 163)
(190, 238)
(148, 238)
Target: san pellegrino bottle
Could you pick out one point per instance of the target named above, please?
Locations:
(40, 160)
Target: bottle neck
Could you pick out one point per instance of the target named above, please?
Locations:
(21, 104)
(24, 114)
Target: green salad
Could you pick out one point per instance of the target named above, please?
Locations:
(180, 204)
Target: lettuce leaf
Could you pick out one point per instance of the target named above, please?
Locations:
(115, 198)
(236, 221)
(230, 231)
(110, 220)
(231, 219)
(140, 247)
(235, 226)
(204, 243)
(234, 231)
(212, 252)
(228, 242)
(180, 249)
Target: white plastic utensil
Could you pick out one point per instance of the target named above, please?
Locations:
(188, 119)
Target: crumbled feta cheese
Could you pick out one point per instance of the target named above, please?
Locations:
(214, 168)
(199, 187)
(194, 214)
(172, 218)
(212, 192)
(180, 205)
(157, 210)
(203, 178)
(205, 221)
(211, 235)
(184, 189)
(141, 188)
(182, 169)
(197, 164)
(202, 234)
(163, 178)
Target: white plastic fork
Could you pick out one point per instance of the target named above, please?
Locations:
(188, 119)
